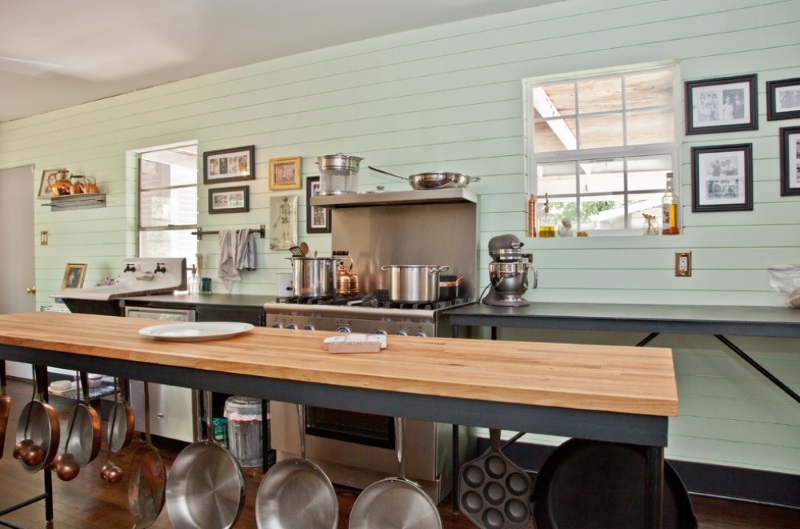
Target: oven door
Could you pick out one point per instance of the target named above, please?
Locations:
(352, 427)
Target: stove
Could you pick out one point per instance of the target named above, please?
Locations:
(371, 314)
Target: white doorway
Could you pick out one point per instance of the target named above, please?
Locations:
(17, 245)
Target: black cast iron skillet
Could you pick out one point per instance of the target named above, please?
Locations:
(597, 485)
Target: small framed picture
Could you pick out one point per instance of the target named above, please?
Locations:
(44, 185)
(229, 200)
(790, 161)
(721, 105)
(73, 276)
(229, 165)
(283, 222)
(783, 99)
(318, 219)
(722, 178)
(284, 173)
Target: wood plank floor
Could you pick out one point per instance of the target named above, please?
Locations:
(90, 503)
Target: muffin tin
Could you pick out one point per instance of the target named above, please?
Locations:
(494, 493)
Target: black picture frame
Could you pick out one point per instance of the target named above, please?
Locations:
(722, 178)
(783, 99)
(726, 104)
(790, 161)
(229, 200)
(318, 219)
(229, 165)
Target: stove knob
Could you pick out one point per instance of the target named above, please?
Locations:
(308, 327)
(343, 329)
(292, 326)
(276, 326)
(402, 333)
(381, 332)
(421, 335)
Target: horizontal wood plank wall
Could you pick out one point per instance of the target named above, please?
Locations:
(450, 98)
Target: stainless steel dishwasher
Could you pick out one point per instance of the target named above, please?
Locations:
(174, 411)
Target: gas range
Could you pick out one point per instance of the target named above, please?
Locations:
(371, 314)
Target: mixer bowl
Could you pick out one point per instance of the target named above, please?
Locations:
(509, 279)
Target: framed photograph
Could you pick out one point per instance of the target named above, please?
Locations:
(318, 219)
(721, 105)
(284, 173)
(229, 165)
(722, 178)
(73, 276)
(283, 220)
(44, 185)
(229, 200)
(783, 99)
(790, 161)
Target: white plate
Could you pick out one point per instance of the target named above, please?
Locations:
(195, 331)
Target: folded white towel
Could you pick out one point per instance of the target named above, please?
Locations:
(246, 250)
(227, 258)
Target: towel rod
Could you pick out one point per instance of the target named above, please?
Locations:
(262, 231)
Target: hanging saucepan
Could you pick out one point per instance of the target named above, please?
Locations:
(434, 179)
(38, 429)
(119, 429)
(85, 445)
(206, 485)
(296, 493)
(5, 406)
(395, 503)
(148, 477)
(493, 491)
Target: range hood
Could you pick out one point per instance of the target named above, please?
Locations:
(396, 198)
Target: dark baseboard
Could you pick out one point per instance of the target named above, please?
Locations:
(744, 484)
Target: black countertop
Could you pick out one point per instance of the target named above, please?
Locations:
(183, 299)
(677, 319)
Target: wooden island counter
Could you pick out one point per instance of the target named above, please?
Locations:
(608, 393)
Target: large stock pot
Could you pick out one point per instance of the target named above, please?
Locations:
(414, 283)
(313, 277)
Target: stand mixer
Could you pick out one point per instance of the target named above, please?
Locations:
(508, 272)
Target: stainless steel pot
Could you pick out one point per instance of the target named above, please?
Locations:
(313, 277)
(338, 174)
(414, 283)
(434, 179)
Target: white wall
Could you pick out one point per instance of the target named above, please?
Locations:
(450, 97)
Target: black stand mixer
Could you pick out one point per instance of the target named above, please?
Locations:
(508, 272)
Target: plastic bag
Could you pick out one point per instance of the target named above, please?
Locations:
(785, 283)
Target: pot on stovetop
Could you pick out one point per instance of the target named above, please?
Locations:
(414, 283)
(313, 277)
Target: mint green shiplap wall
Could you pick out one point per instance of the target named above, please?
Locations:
(450, 97)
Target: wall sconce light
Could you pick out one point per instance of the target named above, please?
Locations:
(43, 238)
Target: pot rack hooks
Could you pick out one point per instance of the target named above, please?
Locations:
(261, 230)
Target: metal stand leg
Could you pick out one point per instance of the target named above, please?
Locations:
(654, 487)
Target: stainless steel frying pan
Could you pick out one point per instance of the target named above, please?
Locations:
(433, 179)
(395, 503)
(296, 493)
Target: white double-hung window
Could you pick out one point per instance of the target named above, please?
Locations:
(600, 144)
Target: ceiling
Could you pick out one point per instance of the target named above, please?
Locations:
(55, 54)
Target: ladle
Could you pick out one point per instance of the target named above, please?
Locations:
(111, 472)
(64, 465)
(26, 442)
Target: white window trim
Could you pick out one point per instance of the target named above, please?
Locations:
(670, 149)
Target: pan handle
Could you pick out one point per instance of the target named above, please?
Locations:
(398, 441)
(388, 173)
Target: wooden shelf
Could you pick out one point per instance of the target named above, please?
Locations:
(81, 201)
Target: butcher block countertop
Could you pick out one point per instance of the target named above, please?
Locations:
(587, 377)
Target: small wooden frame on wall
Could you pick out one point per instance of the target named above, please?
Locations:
(229, 165)
(790, 161)
(318, 219)
(74, 275)
(284, 173)
(722, 178)
(229, 200)
(721, 105)
(783, 99)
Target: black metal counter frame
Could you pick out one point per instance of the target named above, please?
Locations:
(718, 321)
(646, 430)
